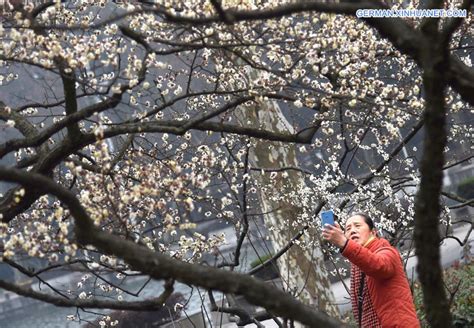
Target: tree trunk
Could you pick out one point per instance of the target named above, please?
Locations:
(302, 270)
(427, 207)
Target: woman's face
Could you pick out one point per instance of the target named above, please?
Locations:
(357, 230)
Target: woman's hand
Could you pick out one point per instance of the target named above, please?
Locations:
(334, 235)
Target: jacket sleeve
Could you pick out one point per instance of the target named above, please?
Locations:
(380, 264)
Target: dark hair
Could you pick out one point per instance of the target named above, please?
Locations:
(367, 219)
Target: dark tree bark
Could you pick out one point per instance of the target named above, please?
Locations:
(434, 59)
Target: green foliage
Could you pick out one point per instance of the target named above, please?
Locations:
(260, 260)
(459, 282)
(269, 272)
(466, 188)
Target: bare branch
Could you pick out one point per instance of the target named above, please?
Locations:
(225, 16)
(469, 203)
(148, 305)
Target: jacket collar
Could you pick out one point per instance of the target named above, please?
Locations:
(377, 243)
(370, 241)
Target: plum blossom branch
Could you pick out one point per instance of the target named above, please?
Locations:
(160, 266)
(147, 305)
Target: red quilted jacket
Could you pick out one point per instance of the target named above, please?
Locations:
(386, 281)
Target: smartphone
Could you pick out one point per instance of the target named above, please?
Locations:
(327, 217)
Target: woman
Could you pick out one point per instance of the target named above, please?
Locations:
(380, 293)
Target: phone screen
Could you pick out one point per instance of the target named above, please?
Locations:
(327, 217)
